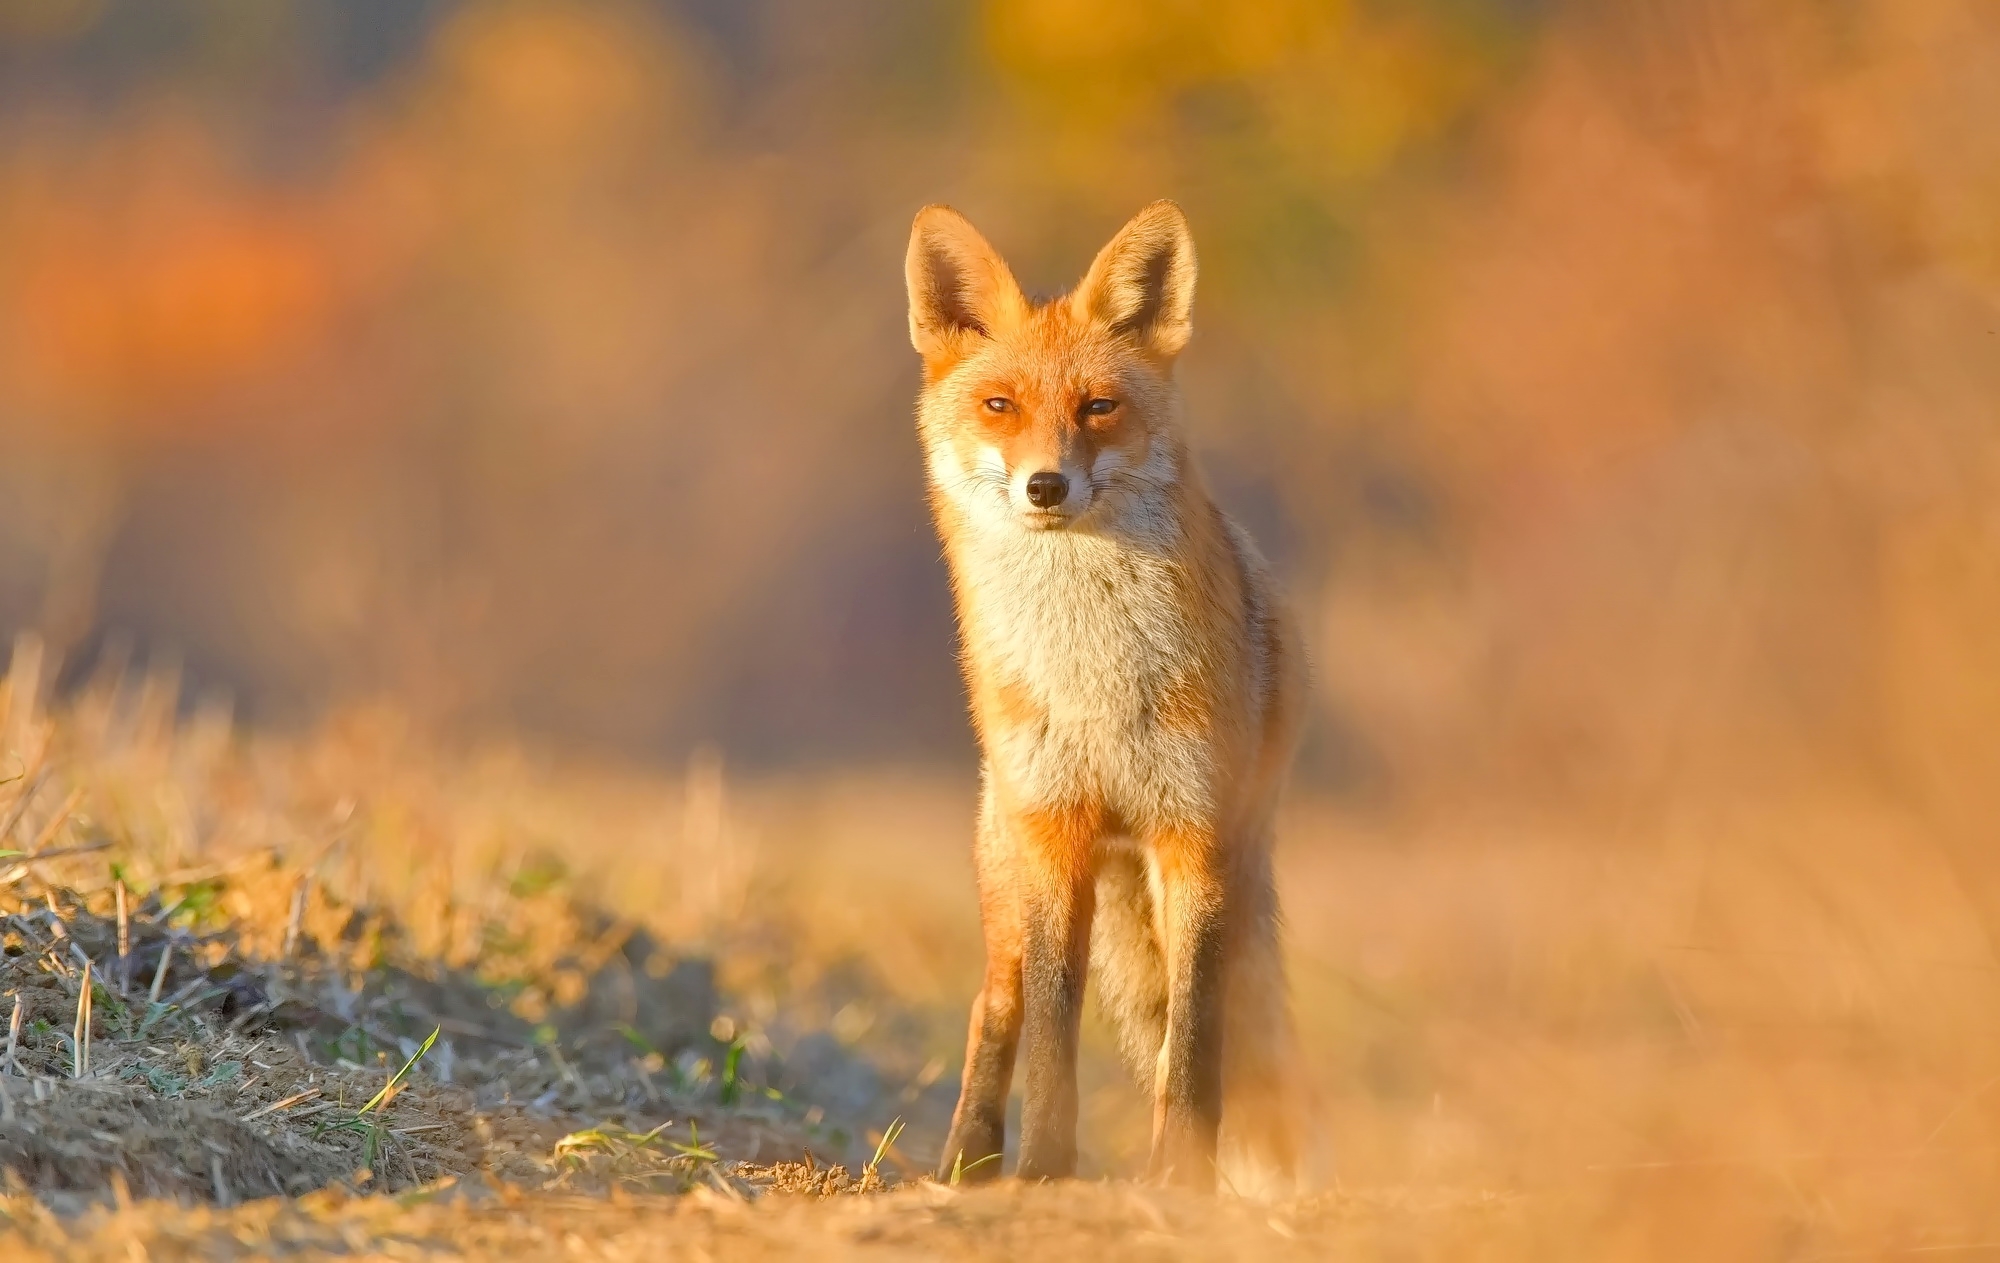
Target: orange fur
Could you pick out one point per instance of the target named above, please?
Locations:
(1137, 693)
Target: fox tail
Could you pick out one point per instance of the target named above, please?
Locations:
(1271, 1146)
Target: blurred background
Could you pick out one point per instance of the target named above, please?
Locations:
(1616, 386)
(1614, 383)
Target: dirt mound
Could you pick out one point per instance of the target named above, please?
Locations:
(82, 1138)
(193, 1070)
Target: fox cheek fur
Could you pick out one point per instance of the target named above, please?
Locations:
(1137, 692)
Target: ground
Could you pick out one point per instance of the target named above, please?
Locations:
(367, 992)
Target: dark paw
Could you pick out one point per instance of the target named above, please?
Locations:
(1046, 1162)
(972, 1154)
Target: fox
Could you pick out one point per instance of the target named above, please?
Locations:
(1137, 691)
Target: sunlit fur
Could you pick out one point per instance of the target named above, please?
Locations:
(1135, 686)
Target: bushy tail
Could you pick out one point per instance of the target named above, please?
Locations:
(1127, 968)
(1270, 1146)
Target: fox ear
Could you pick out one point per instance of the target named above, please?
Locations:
(1142, 282)
(960, 288)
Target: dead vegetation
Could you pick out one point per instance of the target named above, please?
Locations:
(227, 1077)
(225, 986)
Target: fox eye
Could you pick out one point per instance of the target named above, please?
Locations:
(1100, 407)
(998, 404)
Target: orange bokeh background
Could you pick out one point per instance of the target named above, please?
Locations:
(1613, 383)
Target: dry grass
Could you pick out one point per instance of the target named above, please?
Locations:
(684, 1012)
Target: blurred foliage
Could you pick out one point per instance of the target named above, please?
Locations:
(1613, 382)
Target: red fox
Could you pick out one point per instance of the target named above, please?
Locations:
(1137, 693)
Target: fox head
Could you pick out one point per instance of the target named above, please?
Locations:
(1054, 415)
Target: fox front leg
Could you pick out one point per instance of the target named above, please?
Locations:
(1187, 1089)
(979, 1125)
(1058, 893)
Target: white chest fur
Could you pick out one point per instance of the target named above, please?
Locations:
(1091, 630)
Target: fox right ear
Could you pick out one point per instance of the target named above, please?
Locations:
(960, 288)
(1142, 282)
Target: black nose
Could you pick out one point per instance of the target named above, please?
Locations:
(1046, 491)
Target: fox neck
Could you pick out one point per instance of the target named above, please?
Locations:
(1060, 611)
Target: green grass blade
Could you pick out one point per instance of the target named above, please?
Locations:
(894, 1130)
(731, 1086)
(390, 1087)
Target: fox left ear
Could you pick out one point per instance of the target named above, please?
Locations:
(1142, 282)
(960, 288)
